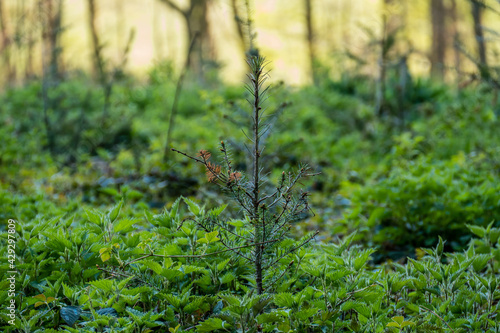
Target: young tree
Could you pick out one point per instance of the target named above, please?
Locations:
(268, 213)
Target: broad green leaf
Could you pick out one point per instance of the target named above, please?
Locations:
(267, 318)
(105, 253)
(113, 213)
(94, 216)
(124, 225)
(375, 216)
(105, 285)
(212, 236)
(212, 324)
(193, 207)
(153, 265)
(477, 230)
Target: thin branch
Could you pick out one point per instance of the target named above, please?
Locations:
(117, 274)
(145, 256)
(175, 7)
(292, 250)
(280, 276)
(352, 293)
(434, 313)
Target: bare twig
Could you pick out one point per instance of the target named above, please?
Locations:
(434, 313)
(145, 256)
(292, 250)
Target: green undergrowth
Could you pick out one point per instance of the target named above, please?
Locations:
(116, 271)
(379, 175)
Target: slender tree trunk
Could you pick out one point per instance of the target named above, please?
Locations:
(239, 22)
(455, 34)
(5, 42)
(438, 47)
(120, 24)
(97, 61)
(310, 39)
(196, 20)
(51, 17)
(31, 41)
(52, 34)
(394, 16)
(198, 24)
(157, 37)
(477, 16)
(382, 62)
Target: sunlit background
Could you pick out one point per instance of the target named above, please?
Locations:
(339, 27)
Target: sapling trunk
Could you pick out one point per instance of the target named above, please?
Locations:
(255, 78)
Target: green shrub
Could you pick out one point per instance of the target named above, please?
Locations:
(422, 200)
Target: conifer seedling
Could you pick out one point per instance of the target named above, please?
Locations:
(268, 215)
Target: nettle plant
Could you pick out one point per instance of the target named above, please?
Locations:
(267, 214)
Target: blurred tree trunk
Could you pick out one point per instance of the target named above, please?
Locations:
(51, 12)
(394, 16)
(31, 40)
(310, 39)
(97, 60)
(196, 20)
(438, 47)
(52, 30)
(345, 21)
(105, 78)
(477, 16)
(382, 62)
(5, 36)
(120, 24)
(157, 36)
(239, 22)
(455, 35)
(390, 25)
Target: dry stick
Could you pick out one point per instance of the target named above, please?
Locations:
(434, 313)
(178, 90)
